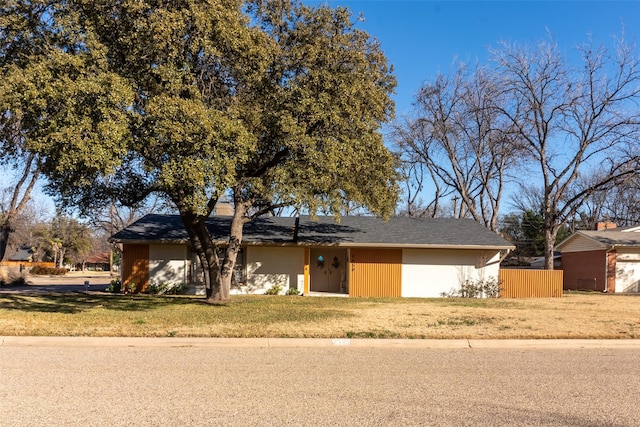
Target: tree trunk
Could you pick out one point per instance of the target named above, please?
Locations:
(217, 276)
(60, 263)
(231, 254)
(5, 231)
(550, 233)
(205, 248)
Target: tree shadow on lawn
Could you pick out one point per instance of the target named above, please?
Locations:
(70, 303)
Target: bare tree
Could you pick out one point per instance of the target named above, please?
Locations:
(14, 199)
(413, 179)
(115, 215)
(572, 121)
(622, 205)
(619, 204)
(461, 140)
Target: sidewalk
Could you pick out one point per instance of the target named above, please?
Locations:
(19, 341)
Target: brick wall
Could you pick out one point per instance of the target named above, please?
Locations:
(581, 268)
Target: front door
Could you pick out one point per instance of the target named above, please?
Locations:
(327, 270)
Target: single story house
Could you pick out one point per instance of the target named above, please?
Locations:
(606, 260)
(95, 262)
(22, 253)
(358, 256)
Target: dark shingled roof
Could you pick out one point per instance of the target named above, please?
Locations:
(325, 231)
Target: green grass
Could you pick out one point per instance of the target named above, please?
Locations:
(84, 314)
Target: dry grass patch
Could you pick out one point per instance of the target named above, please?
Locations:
(82, 314)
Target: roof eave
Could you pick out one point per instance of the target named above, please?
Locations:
(382, 245)
(150, 242)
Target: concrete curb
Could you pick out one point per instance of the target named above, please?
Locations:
(20, 341)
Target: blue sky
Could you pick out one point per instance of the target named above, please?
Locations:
(422, 38)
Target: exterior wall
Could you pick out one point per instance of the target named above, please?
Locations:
(581, 244)
(427, 273)
(135, 266)
(375, 273)
(585, 270)
(168, 263)
(269, 266)
(611, 271)
(627, 270)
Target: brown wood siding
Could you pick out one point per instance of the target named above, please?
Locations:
(611, 271)
(515, 283)
(585, 270)
(135, 266)
(307, 253)
(375, 273)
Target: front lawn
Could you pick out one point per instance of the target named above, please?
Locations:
(94, 314)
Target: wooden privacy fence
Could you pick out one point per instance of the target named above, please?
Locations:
(26, 264)
(530, 283)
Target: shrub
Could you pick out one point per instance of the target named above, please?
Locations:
(18, 281)
(47, 271)
(293, 291)
(115, 287)
(131, 288)
(274, 290)
(164, 288)
(480, 288)
(12, 280)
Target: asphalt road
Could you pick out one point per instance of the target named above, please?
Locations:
(71, 282)
(161, 384)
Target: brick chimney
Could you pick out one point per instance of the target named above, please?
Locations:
(606, 225)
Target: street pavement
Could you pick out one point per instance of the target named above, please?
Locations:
(71, 282)
(85, 381)
(93, 381)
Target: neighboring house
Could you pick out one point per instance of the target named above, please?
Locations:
(605, 260)
(95, 262)
(23, 254)
(359, 256)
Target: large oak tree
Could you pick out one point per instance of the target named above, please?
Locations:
(266, 103)
(61, 109)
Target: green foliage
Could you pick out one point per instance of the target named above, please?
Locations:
(270, 103)
(47, 271)
(131, 288)
(115, 287)
(64, 238)
(165, 288)
(274, 290)
(525, 230)
(57, 94)
(480, 288)
(292, 291)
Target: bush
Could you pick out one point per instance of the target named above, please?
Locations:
(115, 287)
(274, 290)
(293, 291)
(12, 280)
(164, 288)
(18, 281)
(131, 288)
(47, 271)
(480, 288)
